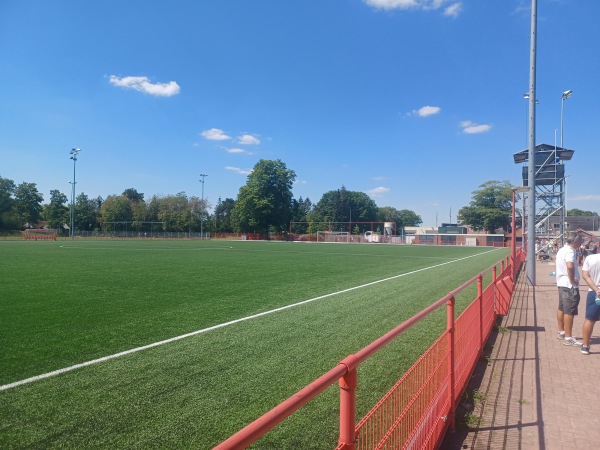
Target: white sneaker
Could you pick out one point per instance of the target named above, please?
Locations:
(572, 341)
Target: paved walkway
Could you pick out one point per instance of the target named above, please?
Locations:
(532, 392)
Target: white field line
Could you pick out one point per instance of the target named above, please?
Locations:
(215, 327)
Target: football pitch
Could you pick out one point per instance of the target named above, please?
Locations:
(179, 344)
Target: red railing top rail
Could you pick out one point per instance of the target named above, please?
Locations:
(266, 422)
(269, 420)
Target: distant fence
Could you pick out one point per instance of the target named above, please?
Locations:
(38, 235)
(130, 234)
(421, 407)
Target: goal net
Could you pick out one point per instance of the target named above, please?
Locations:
(39, 235)
(333, 236)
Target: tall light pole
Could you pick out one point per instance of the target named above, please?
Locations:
(563, 186)
(74, 152)
(531, 153)
(203, 176)
(565, 95)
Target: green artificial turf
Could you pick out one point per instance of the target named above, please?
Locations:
(64, 303)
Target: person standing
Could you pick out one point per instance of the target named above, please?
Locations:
(590, 272)
(567, 281)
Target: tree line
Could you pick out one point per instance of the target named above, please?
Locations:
(265, 205)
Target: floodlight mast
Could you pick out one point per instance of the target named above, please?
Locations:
(563, 211)
(74, 152)
(531, 168)
(203, 176)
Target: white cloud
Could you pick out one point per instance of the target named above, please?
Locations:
(451, 10)
(214, 134)
(473, 128)
(238, 170)
(238, 151)
(248, 139)
(378, 191)
(143, 84)
(392, 4)
(378, 178)
(426, 111)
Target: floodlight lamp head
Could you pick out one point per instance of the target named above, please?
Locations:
(567, 94)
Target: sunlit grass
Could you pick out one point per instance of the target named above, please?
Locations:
(66, 304)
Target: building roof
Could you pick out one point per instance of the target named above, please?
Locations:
(562, 153)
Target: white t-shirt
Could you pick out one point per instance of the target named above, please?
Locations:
(592, 265)
(564, 255)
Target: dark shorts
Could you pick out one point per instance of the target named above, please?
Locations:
(592, 311)
(568, 300)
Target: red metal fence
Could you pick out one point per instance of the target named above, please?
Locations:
(420, 408)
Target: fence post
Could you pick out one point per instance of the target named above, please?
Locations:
(480, 301)
(494, 284)
(348, 385)
(450, 329)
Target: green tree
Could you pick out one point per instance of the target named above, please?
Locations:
(174, 211)
(56, 213)
(334, 206)
(28, 204)
(222, 215)
(198, 211)
(133, 195)
(116, 208)
(300, 213)
(264, 203)
(580, 213)
(7, 190)
(402, 218)
(409, 218)
(490, 207)
(152, 208)
(87, 211)
(342, 206)
(363, 207)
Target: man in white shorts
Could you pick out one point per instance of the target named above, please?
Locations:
(567, 280)
(590, 272)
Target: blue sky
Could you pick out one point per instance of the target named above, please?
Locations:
(414, 102)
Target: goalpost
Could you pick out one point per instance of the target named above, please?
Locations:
(33, 234)
(333, 236)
